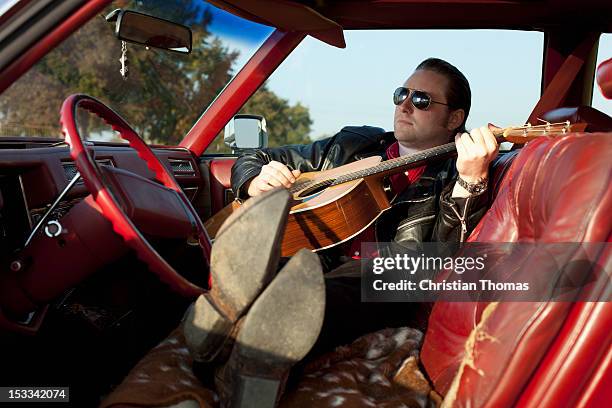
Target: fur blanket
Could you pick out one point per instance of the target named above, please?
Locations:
(380, 369)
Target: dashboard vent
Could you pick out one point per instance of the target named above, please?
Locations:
(182, 167)
(70, 168)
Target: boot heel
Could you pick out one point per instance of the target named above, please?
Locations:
(206, 329)
(278, 331)
(255, 392)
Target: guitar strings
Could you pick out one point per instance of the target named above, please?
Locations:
(384, 166)
(421, 156)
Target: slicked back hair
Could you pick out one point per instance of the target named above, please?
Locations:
(458, 94)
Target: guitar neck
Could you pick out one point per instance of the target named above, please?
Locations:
(520, 135)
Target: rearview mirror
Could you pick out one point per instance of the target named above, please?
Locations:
(246, 132)
(151, 31)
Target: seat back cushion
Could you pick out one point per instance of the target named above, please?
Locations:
(220, 182)
(556, 190)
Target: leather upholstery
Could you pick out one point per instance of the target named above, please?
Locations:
(220, 174)
(574, 370)
(500, 167)
(556, 190)
(604, 78)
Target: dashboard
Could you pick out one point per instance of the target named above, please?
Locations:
(35, 172)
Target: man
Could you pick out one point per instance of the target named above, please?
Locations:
(431, 110)
(438, 202)
(441, 201)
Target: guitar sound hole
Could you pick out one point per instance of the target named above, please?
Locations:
(311, 192)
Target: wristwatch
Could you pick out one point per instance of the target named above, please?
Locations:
(473, 188)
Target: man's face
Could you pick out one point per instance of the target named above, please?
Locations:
(421, 129)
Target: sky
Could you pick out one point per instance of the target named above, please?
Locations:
(354, 86)
(6, 4)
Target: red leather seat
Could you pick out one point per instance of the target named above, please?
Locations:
(500, 167)
(533, 353)
(220, 175)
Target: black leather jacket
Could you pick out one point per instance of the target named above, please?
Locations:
(423, 212)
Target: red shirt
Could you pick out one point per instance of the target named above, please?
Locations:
(399, 182)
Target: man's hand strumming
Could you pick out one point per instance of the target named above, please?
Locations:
(273, 174)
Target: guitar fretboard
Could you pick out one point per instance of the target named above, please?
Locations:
(399, 163)
(435, 153)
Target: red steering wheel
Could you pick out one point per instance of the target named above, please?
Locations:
(109, 189)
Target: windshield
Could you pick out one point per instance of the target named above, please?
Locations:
(164, 92)
(6, 5)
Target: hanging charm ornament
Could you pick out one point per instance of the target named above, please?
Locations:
(124, 61)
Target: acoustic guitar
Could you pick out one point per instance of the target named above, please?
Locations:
(332, 206)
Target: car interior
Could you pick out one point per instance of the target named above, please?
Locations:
(98, 269)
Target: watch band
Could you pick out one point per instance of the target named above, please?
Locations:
(473, 188)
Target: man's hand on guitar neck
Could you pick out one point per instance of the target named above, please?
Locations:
(474, 153)
(274, 174)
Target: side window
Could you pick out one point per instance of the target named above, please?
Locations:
(604, 53)
(319, 89)
(286, 122)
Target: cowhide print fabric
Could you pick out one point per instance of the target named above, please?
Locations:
(380, 369)
(162, 378)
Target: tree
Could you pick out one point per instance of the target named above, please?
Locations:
(164, 94)
(286, 124)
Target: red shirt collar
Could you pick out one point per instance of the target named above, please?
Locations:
(400, 181)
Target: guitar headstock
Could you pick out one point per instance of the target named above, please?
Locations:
(523, 134)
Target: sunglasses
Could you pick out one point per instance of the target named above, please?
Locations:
(419, 99)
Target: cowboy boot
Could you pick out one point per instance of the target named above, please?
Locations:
(244, 259)
(279, 329)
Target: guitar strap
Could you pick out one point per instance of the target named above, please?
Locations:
(557, 89)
